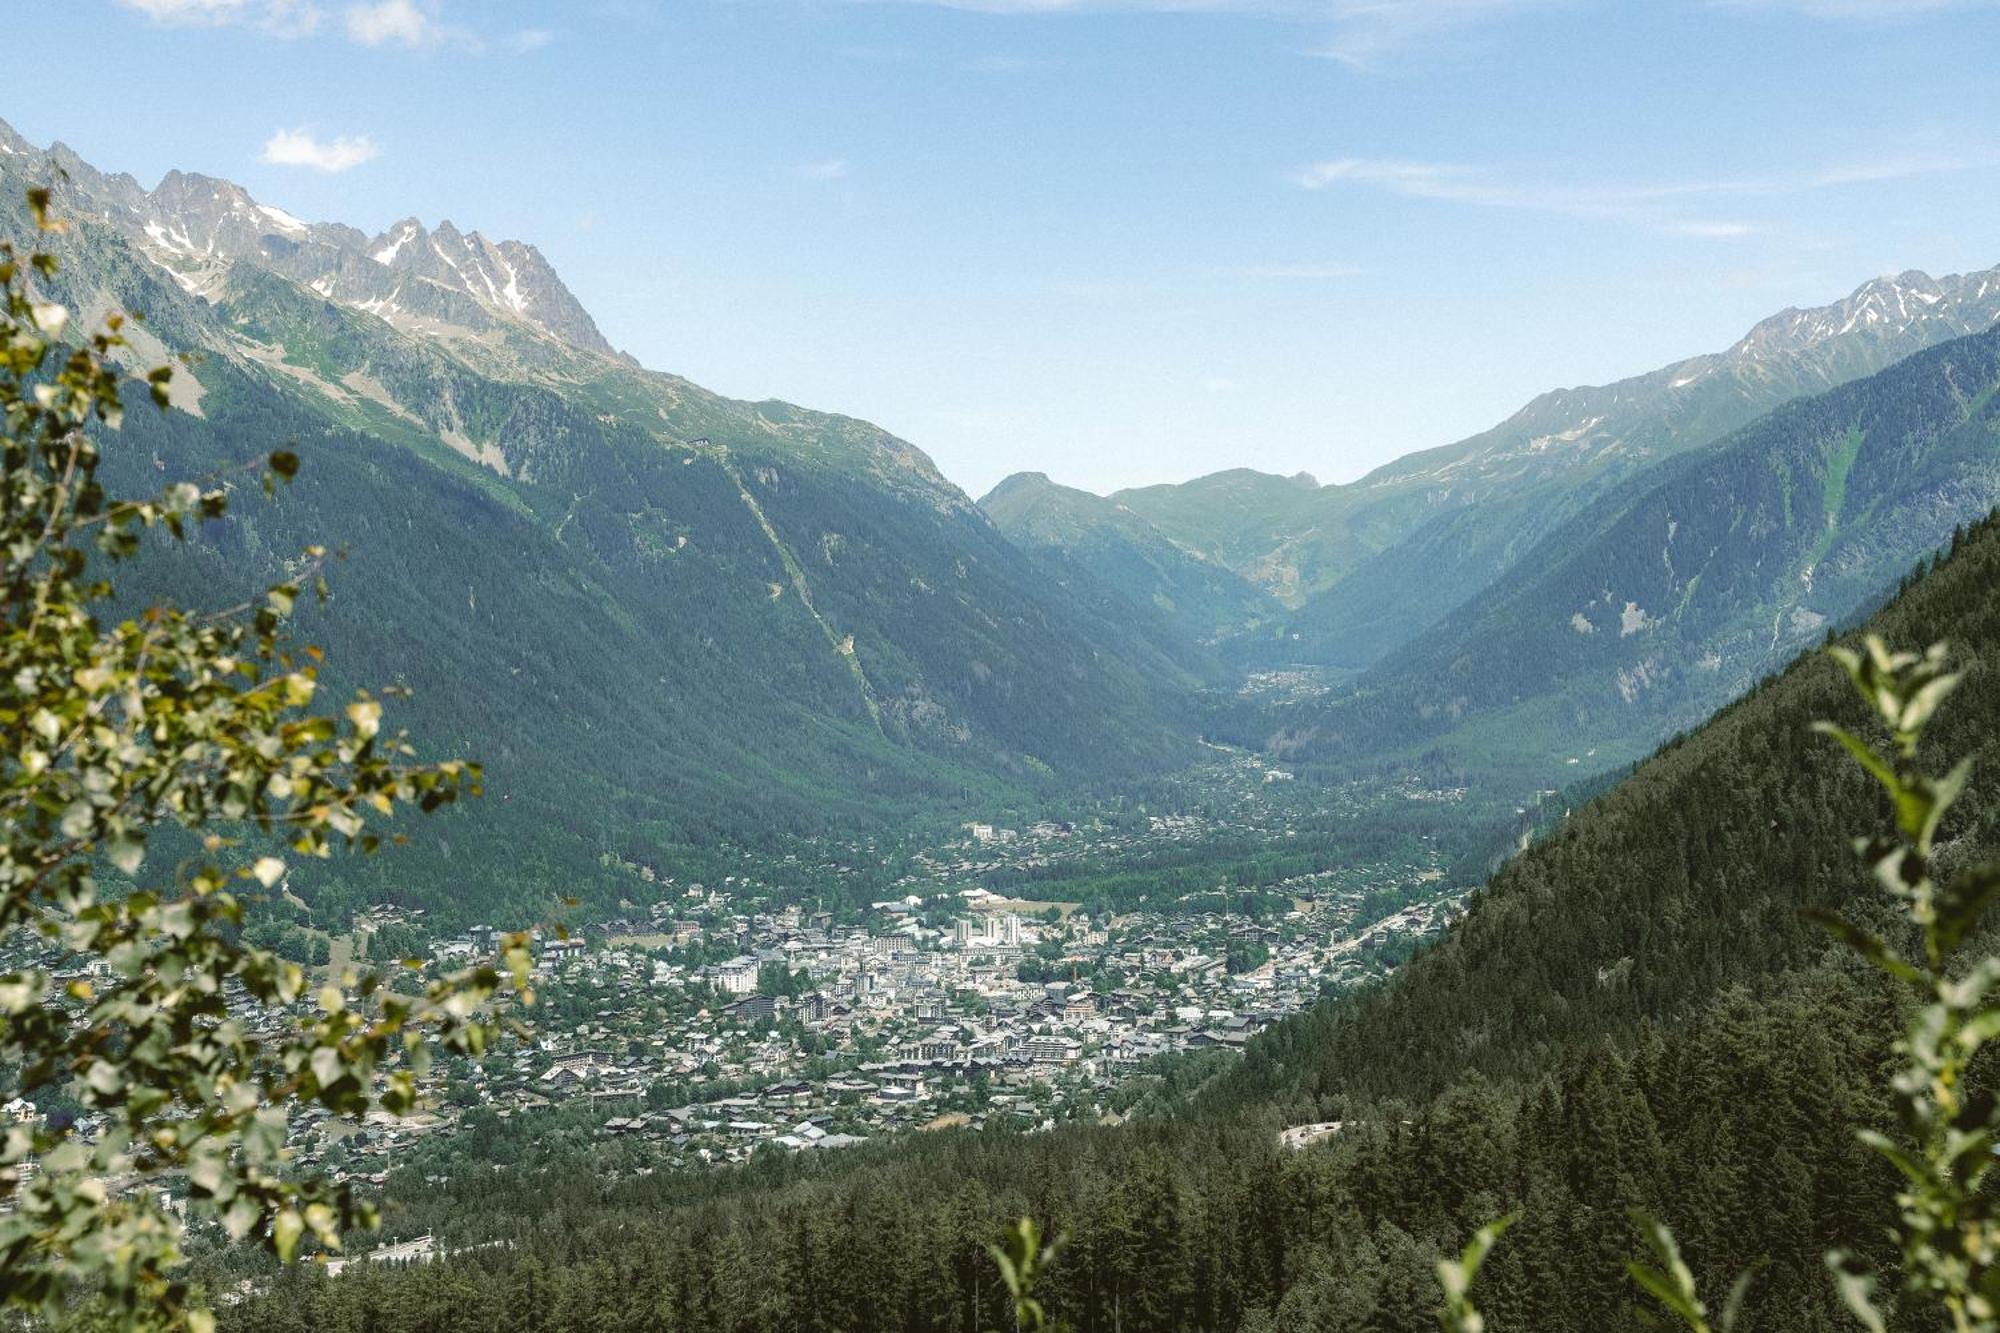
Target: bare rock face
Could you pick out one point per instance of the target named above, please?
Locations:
(439, 282)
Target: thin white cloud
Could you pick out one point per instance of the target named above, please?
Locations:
(529, 39)
(413, 23)
(1010, 64)
(301, 148)
(1297, 272)
(1366, 33)
(1430, 180)
(422, 24)
(826, 169)
(386, 21)
(1657, 204)
(284, 18)
(1863, 10)
(1359, 33)
(190, 11)
(1710, 231)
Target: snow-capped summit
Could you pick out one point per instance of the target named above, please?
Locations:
(507, 277)
(1889, 306)
(442, 283)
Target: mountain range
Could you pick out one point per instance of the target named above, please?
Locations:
(1634, 1016)
(1367, 566)
(1604, 567)
(788, 620)
(1675, 591)
(794, 624)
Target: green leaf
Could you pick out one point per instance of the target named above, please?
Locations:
(1918, 1172)
(286, 1228)
(240, 1216)
(1663, 1289)
(1925, 701)
(1732, 1307)
(1672, 1284)
(1456, 1277)
(1963, 902)
(20, 991)
(1871, 947)
(127, 851)
(327, 1066)
(1864, 753)
(1857, 1291)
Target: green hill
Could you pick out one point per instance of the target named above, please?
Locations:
(1086, 537)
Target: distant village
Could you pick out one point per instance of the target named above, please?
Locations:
(705, 1033)
(813, 1037)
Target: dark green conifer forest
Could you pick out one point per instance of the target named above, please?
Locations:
(1632, 1015)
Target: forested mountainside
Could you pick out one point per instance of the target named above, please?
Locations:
(1083, 537)
(1688, 582)
(1684, 879)
(1630, 1015)
(1371, 565)
(660, 617)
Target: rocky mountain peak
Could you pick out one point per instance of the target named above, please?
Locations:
(431, 282)
(1890, 306)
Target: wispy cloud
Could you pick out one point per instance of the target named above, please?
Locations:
(826, 169)
(1359, 33)
(373, 23)
(1429, 180)
(1863, 10)
(1711, 231)
(1296, 272)
(1655, 203)
(1367, 33)
(284, 18)
(1000, 63)
(301, 148)
(400, 21)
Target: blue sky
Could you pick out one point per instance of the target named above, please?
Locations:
(1119, 241)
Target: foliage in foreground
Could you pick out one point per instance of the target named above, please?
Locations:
(1948, 1232)
(1732, 1113)
(149, 762)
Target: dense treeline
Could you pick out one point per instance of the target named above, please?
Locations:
(1686, 877)
(1736, 1128)
(1631, 1016)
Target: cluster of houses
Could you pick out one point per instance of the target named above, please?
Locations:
(889, 1027)
(715, 1022)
